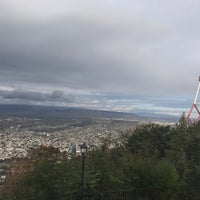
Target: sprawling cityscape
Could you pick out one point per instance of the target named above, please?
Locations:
(16, 140)
(18, 136)
(23, 128)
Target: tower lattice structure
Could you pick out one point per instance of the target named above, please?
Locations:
(195, 106)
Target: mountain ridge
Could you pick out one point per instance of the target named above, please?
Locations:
(40, 111)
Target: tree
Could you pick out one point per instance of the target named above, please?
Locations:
(152, 177)
(35, 177)
(149, 140)
(103, 170)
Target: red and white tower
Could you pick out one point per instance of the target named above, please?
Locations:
(195, 106)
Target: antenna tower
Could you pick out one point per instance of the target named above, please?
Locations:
(195, 106)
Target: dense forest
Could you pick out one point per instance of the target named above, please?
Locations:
(152, 162)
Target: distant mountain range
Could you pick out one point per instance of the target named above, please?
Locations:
(51, 112)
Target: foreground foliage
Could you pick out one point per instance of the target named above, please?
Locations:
(152, 158)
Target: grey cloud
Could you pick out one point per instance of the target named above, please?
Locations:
(129, 47)
(77, 56)
(56, 95)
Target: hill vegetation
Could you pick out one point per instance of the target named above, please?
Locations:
(153, 162)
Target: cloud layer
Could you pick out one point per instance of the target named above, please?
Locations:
(81, 51)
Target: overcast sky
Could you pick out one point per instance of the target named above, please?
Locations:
(123, 55)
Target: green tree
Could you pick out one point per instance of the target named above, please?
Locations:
(153, 176)
(149, 140)
(103, 170)
(36, 177)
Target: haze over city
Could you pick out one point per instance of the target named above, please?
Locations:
(130, 56)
